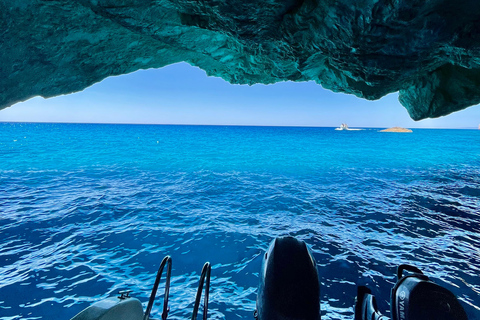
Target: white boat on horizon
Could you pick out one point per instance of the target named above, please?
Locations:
(344, 126)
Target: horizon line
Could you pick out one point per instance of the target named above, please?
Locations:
(227, 125)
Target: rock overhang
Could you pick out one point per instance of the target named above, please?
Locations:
(429, 51)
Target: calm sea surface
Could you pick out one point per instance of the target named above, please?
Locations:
(88, 210)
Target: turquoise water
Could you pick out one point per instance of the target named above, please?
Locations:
(87, 210)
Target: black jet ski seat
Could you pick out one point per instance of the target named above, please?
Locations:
(289, 286)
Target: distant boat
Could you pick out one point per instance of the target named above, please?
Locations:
(344, 126)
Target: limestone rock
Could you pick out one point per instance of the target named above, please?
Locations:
(396, 129)
(427, 50)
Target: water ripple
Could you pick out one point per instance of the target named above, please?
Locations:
(76, 233)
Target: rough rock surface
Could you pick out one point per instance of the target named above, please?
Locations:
(396, 129)
(427, 50)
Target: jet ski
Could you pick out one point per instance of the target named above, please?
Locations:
(289, 289)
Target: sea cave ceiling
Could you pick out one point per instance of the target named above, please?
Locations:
(426, 50)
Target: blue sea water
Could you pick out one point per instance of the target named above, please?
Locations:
(87, 210)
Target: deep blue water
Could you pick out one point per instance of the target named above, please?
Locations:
(87, 210)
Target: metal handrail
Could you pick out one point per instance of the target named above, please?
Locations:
(204, 277)
(165, 260)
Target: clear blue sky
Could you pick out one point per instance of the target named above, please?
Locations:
(182, 94)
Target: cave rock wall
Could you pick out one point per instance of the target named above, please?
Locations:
(426, 50)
